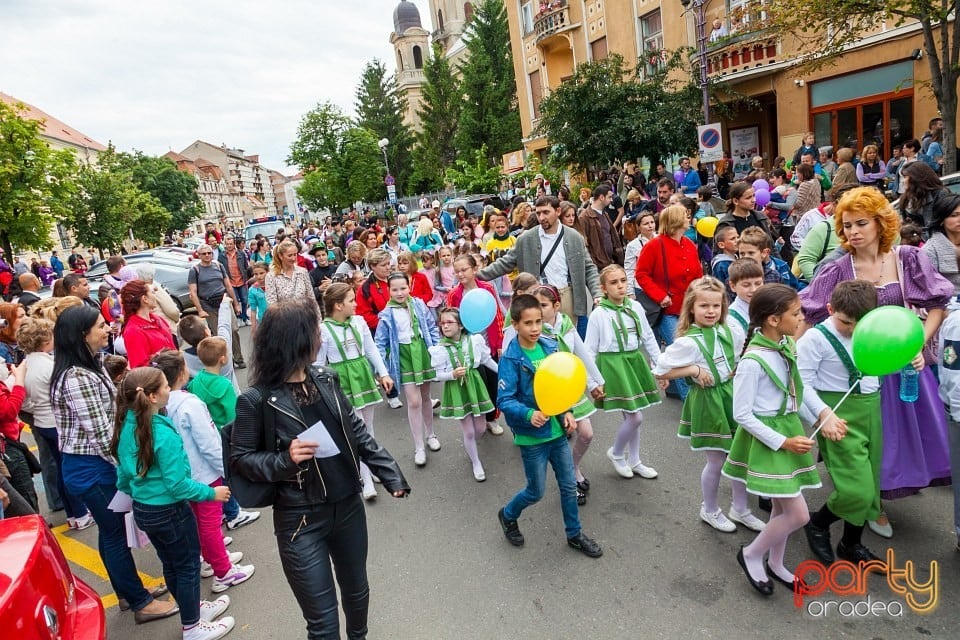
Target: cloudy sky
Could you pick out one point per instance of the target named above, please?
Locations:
(156, 76)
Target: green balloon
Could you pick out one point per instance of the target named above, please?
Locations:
(886, 340)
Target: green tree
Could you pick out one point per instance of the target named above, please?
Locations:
(353, 173)
(36, 183)
(107, 206)
(318, 137)
(380, 108)
(848, 21)
(174, 189)
(607, 112)
(478, 176)
(489, 116)
(439, 113)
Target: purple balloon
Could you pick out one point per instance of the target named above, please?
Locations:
(763, 196)
(678, 176)
(761, 184)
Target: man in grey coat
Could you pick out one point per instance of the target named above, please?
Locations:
(557, 255)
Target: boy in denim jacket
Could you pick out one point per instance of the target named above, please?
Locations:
(541, 438)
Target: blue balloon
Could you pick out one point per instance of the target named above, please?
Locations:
(477, 310)
(761, 184)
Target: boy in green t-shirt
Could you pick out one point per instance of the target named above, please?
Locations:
(541, 438)
(215, 390)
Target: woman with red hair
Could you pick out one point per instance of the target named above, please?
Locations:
(144, 332)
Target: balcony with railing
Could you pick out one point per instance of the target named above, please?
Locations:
(553, 18)
(745, 42)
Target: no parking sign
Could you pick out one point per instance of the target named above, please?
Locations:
(710, 139)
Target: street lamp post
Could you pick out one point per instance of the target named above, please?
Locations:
(382, 143)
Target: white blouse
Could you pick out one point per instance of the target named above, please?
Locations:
(685, 352)
(822, 369)
(330, 353)
(440, 357)
(602, 337)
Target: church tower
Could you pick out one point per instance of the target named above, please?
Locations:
(449, 18)
(411, 43)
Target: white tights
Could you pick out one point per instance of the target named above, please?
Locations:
(366, 414)
(419, 413)
(584, 438)
(710, 484)
(787, 515)
(473, 428)
(628, 437)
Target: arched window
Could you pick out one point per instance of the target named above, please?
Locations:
(399, 59)
(417, 58)
(439, 20)
(467, 11)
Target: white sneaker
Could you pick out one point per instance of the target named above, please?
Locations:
(436, 403)
(394, 403)
(243, 518)
(884, 530)
(227, 541)
(478, 473)
(210, 610)
(747, 519)
(81, 523)
(620, 464)
(420, 457)
(206, 570)
(494, 427)
(369, 491)
(643, 471)
(238, 574)
(717, 520)
(210, 630)
(433, 443)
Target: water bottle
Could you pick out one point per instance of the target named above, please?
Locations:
(909, 384)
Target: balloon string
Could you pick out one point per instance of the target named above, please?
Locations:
(834, 410)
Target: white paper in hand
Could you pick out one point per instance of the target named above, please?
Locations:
(318, 433)
(121, 503)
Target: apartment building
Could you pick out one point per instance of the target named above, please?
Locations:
(875, 94)
(220, 202)
(245, 177)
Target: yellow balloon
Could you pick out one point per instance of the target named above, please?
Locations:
(559, 383)
(707, 226)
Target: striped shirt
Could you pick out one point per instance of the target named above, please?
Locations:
(84, 410)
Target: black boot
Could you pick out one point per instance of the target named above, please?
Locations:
(819, 541)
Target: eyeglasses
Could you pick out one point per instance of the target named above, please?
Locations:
(206, 253)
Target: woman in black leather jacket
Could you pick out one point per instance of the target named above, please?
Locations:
(318, 514)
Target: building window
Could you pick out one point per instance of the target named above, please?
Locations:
(440, 20)
(526, 18)
(536, 93)
(399, 60)
(64, 236)
(598, 49)
(651, 32)
(467, 11)
(417, 58)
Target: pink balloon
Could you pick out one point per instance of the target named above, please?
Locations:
(763, 197)
(678, 176)
(759, 184)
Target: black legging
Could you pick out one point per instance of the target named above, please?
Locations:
(490, 382)
(308, 539)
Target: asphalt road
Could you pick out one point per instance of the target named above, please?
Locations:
(439, 566)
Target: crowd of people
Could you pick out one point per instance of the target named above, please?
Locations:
(745, 315)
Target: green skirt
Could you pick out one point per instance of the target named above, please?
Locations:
(775, 474)
(467, 399)
(357, 382)
(854, 461)
(707, 417)
(584, 408)
(415, 363)
(630, 386)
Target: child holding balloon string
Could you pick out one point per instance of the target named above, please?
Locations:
(705, 352)
(770, 452)
(347, 347)
(405, 332)
(457, 359)
(561, 328)
(616, 331)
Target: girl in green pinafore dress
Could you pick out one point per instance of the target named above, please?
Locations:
(561, 328)
(770, 452)
(616, 332)
(704, 352)
(457, 359)
(347, 347)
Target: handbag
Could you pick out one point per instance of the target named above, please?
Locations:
(250, 493)
(651, 307)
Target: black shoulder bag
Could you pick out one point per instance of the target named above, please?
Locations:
(651, 307)
(248, 493)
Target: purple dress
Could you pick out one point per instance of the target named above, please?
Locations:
(915, 444)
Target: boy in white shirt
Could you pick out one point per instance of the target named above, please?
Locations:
(950, 394)
(746, 276)
(853, 462)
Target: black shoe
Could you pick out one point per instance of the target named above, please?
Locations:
(511, 530)
(585, 545)
(765, 587)
(855, 554)
(584, 485)
(789, 585)
(239, 365)
(819, 541)
(581, 498)
(765, 504)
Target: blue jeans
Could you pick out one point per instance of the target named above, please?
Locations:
(51, 442)
(51, 469)
(172, 529)
(582, 326)
(231, 509)
(535, 459)
(112, 542)
(667, 329)
(241, 293)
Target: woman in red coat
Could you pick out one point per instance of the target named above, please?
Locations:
(144, 332)
(374, 293)
(419, 284)
(665, 268)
